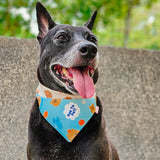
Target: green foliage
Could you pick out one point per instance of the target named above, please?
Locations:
(13, 24)
(109, 25)
(143, 34)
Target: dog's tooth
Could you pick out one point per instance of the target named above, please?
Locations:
(88, 72)
(91, 71)
(57, 72)
(64, 71)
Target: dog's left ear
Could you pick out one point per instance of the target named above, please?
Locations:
(90, 22)
(45, 22)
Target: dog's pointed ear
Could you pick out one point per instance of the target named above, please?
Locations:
(45, 22)
(90, 22)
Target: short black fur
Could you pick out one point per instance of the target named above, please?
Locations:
(60, 45)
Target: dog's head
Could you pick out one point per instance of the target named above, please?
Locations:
(69, 57)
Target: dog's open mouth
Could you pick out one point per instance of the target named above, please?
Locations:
(77, 79)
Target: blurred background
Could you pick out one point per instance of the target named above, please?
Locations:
(123, 23)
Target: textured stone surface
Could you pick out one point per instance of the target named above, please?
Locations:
(129, 87)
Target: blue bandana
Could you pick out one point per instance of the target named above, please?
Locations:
(68, 114)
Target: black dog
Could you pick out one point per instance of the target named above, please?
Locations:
(65, 48)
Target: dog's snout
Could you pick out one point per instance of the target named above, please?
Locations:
(88, 51)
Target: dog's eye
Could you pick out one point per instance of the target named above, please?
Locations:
(90, 37)
(61, 37)
(93, 39)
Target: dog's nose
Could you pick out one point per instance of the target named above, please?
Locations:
(88, 51)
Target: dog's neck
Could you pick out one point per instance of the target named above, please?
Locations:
(49, 93)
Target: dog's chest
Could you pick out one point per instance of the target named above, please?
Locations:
(57, 152)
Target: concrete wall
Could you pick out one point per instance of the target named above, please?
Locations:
(129, 87)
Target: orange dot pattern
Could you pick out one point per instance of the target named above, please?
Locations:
(69, 130)
(37, 91)
(67, 98)
(92, 108)
(45, 114)
(48, 94)
(81, 122)
(39, 100)
(55, 102)
(72, 134)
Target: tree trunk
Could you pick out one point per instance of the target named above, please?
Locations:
(127, 27)
(7, 19)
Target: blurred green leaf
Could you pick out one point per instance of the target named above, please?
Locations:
(109, 26)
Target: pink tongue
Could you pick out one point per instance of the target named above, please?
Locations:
(83, 83)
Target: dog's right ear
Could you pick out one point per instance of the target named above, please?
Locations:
(90, 22)
(45, 22)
